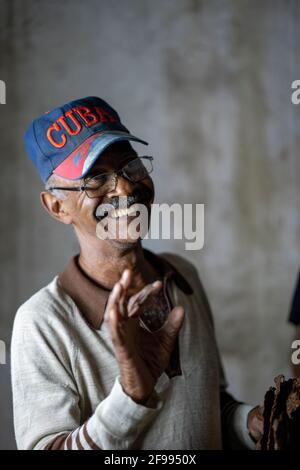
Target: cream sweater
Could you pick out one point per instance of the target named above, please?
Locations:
(65, 380)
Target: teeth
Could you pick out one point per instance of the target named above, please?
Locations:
(121, 212)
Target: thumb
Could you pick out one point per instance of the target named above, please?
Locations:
(174, 322)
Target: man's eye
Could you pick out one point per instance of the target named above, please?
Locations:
(97, 181)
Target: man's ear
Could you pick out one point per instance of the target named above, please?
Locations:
(55, 207)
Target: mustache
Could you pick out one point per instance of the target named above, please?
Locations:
(138, 196)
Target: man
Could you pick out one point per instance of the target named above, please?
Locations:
(118, 351)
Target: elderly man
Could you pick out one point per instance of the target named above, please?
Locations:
(118, 351)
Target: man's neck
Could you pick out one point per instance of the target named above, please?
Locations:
(105, 266)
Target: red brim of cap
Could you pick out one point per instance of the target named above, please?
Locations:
(81, 160)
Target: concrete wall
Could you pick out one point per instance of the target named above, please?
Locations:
(208, 84)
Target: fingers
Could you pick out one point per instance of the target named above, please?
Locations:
(117, 333)
(138, 299)
(125, 282)
(260, 426)
(260, 419)
(113, 315)
(119, 295)
(113, 299)
(174, 322)
(126, 278)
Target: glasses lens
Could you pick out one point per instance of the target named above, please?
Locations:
(135, 170)
(98, 185)
(138, 169)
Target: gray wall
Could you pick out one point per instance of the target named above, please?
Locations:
(208, 84)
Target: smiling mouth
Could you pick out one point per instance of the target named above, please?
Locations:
(128, 206)
(119, 213)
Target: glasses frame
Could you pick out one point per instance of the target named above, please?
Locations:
(84, 188)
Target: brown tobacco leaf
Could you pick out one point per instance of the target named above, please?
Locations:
(281, 416)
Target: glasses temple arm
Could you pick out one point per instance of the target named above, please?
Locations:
(80, 188)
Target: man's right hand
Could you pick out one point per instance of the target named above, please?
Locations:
(142, 355)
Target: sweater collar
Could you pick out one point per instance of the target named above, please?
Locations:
(91, 298)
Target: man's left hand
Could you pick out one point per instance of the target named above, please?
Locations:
(255, 423)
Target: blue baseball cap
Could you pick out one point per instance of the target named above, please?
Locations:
(68, 140)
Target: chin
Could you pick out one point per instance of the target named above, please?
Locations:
(125, 245)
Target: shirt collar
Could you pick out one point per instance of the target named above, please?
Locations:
(91, 297)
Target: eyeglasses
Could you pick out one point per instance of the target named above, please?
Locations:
(96, 186)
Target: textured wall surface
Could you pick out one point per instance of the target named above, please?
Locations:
(207, 83)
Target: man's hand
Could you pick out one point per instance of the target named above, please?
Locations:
(142, 355)
(255, 423)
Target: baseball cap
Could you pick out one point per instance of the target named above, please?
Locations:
(68, 140)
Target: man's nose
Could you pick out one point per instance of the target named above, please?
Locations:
(122, 186)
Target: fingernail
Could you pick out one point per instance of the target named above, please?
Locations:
(156, 283)
(115, 288)
(126, 273)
